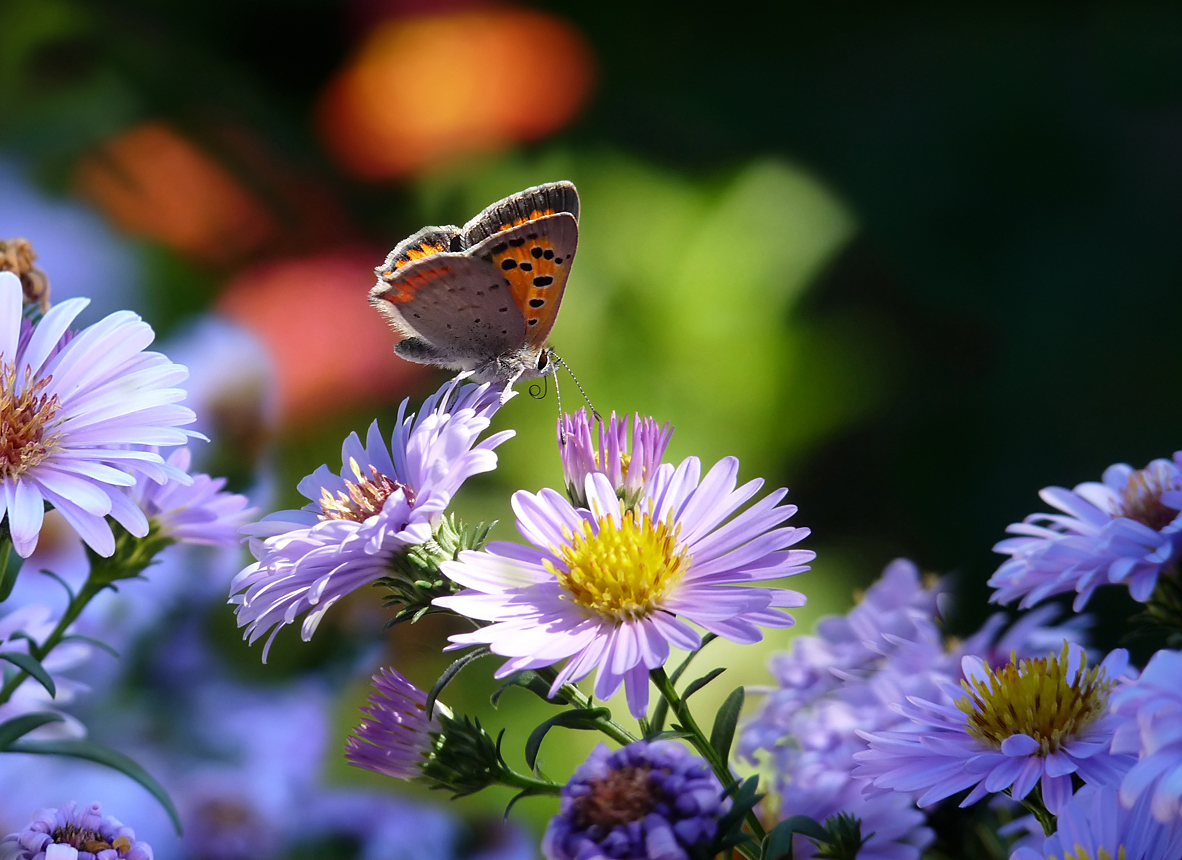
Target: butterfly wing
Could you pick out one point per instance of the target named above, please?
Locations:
(459, 304)
(552, 198)
(535, 259)
(428, 241)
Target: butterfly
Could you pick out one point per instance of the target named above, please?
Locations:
(482, 299)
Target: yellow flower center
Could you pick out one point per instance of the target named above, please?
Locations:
(1081, 853)
(26, 419)
(364, 499)
(1140, 500)
(621, 571)
(1036, 697)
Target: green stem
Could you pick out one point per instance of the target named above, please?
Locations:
(39, 652)
(579, 699)
(514, 779)
(702, 744)
(1035, 806)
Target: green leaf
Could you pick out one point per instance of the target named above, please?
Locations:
(661, 711)
(18, 727)
(90, 751)
(730, 826)
(701, 682)
(90, 640)
(582, 718)
(778, 844)
(33, 667)
(725, 721)
(451, 672)
(521, 795)
(528, 680)
(10, 566)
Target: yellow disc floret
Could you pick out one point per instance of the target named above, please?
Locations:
(1081, 853)
(1041, 697)
(622, 570)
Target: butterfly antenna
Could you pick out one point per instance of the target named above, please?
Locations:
(561, 420)
(578, 385)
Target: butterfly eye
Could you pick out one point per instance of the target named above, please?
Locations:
(543, 360)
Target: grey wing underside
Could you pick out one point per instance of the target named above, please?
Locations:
(460, 306)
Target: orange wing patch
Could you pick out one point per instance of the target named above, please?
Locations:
(537, 273)
(404, 289)
(416, 253)
(533, 216)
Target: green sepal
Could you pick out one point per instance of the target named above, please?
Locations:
(582, 718)
(90, 751)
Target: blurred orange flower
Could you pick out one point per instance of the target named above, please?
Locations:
(330, 349)
(152, 182)
(424, 89)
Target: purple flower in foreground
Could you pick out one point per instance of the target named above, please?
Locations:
(197, 512)
(397, 737)
(1036, 721)
(37, 621)
(646, 801)
(609, 587)
(1124, 530)
(76, 412)
(63, 834)
(1094, 826)
(627, 470)
(1152, 730)
(385, 500)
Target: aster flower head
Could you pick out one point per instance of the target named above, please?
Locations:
(1033, 722)
(1151, 713)
(1127, 529)
(385, 500)
(646, 801)
(589, 445)
(194, 512)
(1094, 825)
(70, 834)
(613, 588)
(77, 411)
(396, 738)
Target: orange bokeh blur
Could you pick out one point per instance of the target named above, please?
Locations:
(425, 89)
(329, 347)
(152, 182)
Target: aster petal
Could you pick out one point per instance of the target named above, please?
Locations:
(11, 296)
(26, 511)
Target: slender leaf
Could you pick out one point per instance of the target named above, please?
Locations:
(730, 826)
(10, 566)
(694, 686)
(62, 583)
(528, 680)
(521, 795)
(583, 718)
(18, 727)
(33, 667)
(725, 721)
(661, 711)
(451, 672)
(90, 640)
(90, 751)
(778, 844)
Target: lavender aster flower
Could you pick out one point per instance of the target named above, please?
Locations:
(609, 587)
(64, 834)
(397, 737)
(1124, 530)
(628, 470)
(1034, 721)
(1152, 713)
(193, 512)
(384, 500)
(72, 409)
(646, 801)
(1095, 826)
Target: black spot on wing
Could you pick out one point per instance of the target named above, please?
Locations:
(536, 303)
(543, 281)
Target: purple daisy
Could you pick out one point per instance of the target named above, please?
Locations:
(1095, 826)
(1151, 710)
(646, 801)
(398, 736)
(64, 834)
(627, 469)
(385, 499)
(1035, 721)
(193, 512)
(613, 587)
(77, 410)
(1124, 530)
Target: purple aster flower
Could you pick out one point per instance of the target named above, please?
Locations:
(397, 737)
(613, 587)
(1035, 721)
(1095, 826)
(64, 834)
(37, 621)
(646, 801)
(1124, 530)
(193, 512)
(628, 470)
(74, 408)
(1151, 710)
(385, 500)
